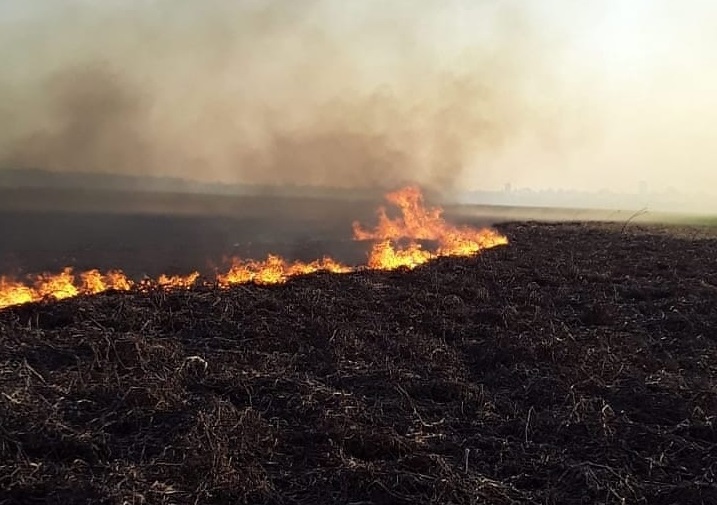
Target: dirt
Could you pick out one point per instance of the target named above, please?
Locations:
(576, 365)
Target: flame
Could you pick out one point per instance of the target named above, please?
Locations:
(94, 282)
(385, 256)
(15, 293)
(59, 286)
(416, 223)
(275, 269)
(420, 223)
(65, 285)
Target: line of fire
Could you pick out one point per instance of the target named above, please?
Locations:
(397, 243)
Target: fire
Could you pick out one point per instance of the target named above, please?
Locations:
(57, 286)
(15, 293)
(415, 223)
(275, 270)
(385, 256)
(94, 282)
(66, 285)
(419, 223)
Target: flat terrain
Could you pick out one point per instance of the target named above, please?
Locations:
(576, 365)
(150, 234)
(154, 233)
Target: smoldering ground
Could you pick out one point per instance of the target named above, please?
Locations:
(346, 94)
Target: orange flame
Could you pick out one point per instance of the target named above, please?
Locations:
(94, 282)
(57, 286)
(275, 269)
(15, 293)
(65, 285)
(419, 223)
(415, 223)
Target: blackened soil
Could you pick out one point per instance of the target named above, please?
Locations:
(576, 365)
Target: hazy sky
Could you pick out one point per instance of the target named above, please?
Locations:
(451, 93)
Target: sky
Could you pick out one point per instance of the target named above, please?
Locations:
(451, 94)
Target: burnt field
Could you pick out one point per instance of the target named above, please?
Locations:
(148, 234)
(577, 364)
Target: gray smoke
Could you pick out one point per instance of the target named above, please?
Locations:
(334, 93)
(448, 94)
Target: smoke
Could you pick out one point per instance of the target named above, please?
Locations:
(352, 94)
(449, 94)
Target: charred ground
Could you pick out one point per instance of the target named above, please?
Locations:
(576, 365)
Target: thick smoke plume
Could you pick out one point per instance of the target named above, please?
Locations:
(352, 94)
(363, 93)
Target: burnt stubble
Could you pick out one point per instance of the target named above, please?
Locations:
(148, 234)
(575, 365)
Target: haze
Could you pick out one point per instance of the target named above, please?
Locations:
(454, 95)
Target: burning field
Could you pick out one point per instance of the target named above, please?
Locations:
(575, 363)
(416, 223)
